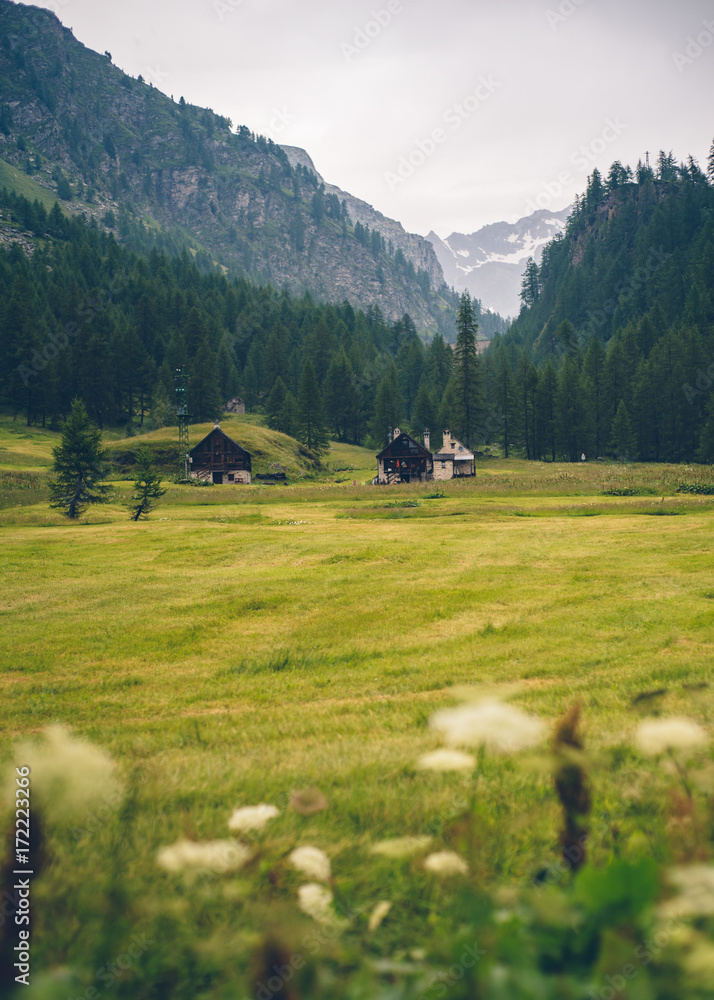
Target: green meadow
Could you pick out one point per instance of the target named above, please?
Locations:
(245, 643)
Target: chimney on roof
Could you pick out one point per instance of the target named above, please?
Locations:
(447, 440)
(427, 438)
(397, 432)
(216, 425)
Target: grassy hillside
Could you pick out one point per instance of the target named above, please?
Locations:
(14, 180)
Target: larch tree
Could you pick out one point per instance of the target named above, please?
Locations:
(78, 465)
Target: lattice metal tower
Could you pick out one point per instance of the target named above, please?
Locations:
(181, 382)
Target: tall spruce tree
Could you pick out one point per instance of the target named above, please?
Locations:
(466, 375)
(78, 465)
(311, 422)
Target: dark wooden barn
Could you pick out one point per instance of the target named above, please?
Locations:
(404, 460)
(220, 459)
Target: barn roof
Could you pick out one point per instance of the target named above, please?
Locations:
(217, 430)
(406, 440)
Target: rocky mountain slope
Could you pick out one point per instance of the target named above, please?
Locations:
(116, 148)
(490, 262)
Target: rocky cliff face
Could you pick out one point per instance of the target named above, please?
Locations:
(415, 248)
(106, 142)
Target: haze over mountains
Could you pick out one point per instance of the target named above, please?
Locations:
(119, 150)
(490, 262)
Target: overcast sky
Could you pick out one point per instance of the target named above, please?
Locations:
(444, 115)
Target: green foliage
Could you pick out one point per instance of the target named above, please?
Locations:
(466, 376)
(310, 413)
(147, 486)
(622, 309)
(78, 465)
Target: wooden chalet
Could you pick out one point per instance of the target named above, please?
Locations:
(220, 459)
(404, 460)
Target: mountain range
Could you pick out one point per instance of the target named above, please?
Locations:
(490, 262)
(158, 171)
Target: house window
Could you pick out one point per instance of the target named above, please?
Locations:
(443, 465)
(230, 477)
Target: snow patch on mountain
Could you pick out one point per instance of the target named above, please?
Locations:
(490, 262)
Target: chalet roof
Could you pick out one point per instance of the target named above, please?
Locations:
(217, 430)
(407, 446)
(454, 456)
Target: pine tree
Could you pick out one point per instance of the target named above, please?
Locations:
(710, 164)
(280, 408)
(530, 285)
(78, 465)
(387, 408)
(467, 380)
(622, 440)
(147, 487)
(311, 424)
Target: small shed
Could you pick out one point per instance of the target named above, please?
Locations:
(220, 459)
(404, 460)
(453, 460)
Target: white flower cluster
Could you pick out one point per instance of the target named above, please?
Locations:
(69, 775)
(445, 863)
(252, 817)
(214, 856)
(311, 861)
(659, 735)
(490, 723)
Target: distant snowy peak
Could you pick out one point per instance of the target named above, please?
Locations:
(491, 261)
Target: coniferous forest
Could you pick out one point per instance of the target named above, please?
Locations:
(83, 316)
(612, 354)
(613, 351)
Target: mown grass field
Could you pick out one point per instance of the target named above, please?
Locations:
(246, 642)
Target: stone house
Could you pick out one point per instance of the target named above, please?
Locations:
(453, 460)
(404, 460)
(220, 459)
(235, 405)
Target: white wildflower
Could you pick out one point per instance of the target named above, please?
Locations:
(70, 778)
(215, 856)
(696, 891)
(315, 900)
(500, 728)
(445, 863)
(400, 847)
(311, 861)
(657, 735)
(446, 760)
(252, 817)
(378, 914)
